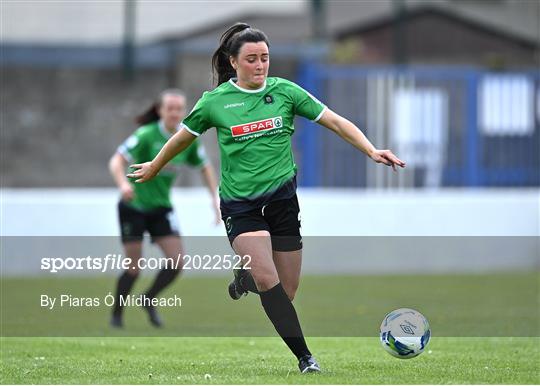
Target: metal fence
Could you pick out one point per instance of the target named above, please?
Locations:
(453, 126)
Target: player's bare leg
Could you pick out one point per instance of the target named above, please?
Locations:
(288, 265)
(258, 246)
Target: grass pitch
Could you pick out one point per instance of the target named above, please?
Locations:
(214, 340)
(263, 361)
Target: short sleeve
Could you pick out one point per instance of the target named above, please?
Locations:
(305, 104)
(197, 121)
(196, 155)
(134, 148)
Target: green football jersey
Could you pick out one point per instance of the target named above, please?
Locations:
(254, 129)
(143, 146)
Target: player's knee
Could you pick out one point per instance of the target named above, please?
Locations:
(133, 271)
(265, 281)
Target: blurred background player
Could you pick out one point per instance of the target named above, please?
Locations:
(253, 116)
(147, 207)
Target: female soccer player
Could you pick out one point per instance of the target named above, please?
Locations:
(253, 116)
(148, 207)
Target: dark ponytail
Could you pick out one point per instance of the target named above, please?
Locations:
(151, 114)
(229, 45)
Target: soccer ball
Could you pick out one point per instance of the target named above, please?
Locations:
(405, 333)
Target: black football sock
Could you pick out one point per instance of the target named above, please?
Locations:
(247, 282)
(281, 312)
(163, 279)
(123, 288)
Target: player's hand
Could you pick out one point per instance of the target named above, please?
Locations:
(388, 158)
(143, 172)
(126, 191)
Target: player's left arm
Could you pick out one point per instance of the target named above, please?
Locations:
(352, 134)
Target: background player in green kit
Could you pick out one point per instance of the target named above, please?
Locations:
(147, 207)
(253, 116)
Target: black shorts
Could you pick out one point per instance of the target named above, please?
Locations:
(280, 218)
(158, 222)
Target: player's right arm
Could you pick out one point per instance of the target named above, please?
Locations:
(176, 144)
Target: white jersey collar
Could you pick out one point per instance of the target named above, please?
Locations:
(166, 133)
(233, 82)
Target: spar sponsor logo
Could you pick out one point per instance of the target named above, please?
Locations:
(257, 126)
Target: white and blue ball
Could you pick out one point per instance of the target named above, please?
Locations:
(405, 333)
